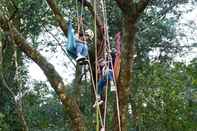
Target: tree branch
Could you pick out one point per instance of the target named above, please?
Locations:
(62, 23)
(131, 8)
(99, 21)
(58, 16)
(50, 72)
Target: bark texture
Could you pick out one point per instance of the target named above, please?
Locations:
(58, 16)
(125, 79)
(53, 77)
(131, 12)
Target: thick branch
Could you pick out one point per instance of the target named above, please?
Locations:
(54, 78)
(99, 22)
(58, 16)
(130, 8)
(62, 23)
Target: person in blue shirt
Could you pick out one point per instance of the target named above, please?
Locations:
(81, 47)
(77, 44)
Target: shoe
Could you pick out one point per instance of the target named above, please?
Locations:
(112, 85)
(80, 58)
(98, 97)
(102, 129)
(97, 103)
(83, 62)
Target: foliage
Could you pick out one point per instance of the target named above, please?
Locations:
(3, 125)
(43, 110)
(160, 85)
(160, 98)
(159, 37)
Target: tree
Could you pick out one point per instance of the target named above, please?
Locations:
(131, 11)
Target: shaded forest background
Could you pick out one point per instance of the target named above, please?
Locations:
(157, 90)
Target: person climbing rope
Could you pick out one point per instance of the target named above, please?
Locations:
(77, 44)
(108, 69)
(105, 77)
(106, 74)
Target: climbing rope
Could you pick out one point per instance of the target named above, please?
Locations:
(107, 59)
(103, 2)
(98, 112)
(106, 63)
(96, 64)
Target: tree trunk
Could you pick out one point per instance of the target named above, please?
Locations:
(125, 79)
(131, 12)
(53, 77)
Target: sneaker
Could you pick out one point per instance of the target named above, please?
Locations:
(98, 97)
(80, 58)
(97, 102)
(83, 62)
(112, 85)
(102, 129)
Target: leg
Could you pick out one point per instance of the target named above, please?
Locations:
(111, 79)
(110, 75)
(79, 51)
(101, 85)
(84, 53)
(84, 50)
